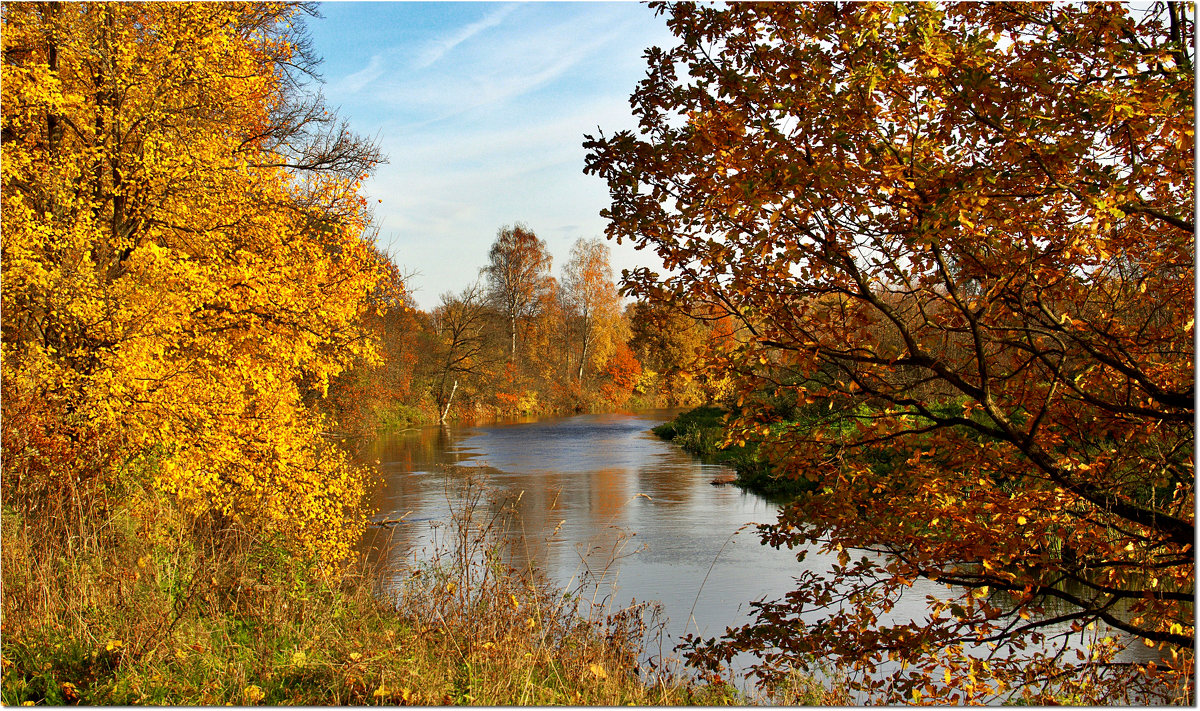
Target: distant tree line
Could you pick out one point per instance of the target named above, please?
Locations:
(519, 341)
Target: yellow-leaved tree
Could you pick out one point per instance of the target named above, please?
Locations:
(184, 261)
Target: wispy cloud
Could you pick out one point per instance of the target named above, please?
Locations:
(440, 47)
(483, 123)
(524, 64)
(354, 83)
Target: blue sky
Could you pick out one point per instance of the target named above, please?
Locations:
(481, 109)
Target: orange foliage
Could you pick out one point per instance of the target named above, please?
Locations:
(620, 375)
(959, 239)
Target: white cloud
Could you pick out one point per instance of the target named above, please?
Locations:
(529, 54)
(483, 126)
(440, 47)
(355, 82)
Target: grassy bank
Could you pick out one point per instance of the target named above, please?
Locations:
(143, 615)
(701, 431)
(148, 607)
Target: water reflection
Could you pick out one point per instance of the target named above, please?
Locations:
(597, 500)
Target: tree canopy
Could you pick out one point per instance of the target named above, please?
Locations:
(964, 233)
(595, 306)
(518, 276)
(184, 259)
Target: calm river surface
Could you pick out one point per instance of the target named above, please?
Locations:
(602, 503)
(605, 507)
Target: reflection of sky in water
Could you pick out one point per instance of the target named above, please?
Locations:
(601, 500)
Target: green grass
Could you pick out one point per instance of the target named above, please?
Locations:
(701, 431)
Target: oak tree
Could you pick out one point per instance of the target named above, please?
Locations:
(963, 233)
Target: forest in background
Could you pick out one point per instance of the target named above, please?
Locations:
(521, 341)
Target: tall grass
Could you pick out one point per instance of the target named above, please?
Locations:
(151, 607)
(514, 637)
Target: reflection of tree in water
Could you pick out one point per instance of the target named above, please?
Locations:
(537, 529)
(669, 482)
(610, 493)
(530, 504)
(416, 467)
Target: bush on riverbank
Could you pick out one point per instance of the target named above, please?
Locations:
(703, 431)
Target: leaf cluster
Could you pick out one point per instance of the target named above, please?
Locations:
(974, 222)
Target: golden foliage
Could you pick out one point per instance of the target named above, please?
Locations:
(174, 278)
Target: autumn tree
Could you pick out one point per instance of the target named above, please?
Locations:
(184, 257)
(969, 228)
(594, 305)
(517, 274)
(461, 324)
(669, 344)
(620, 376)
(546, 363)
(369, 393)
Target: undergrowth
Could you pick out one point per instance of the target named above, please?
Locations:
(151, 607)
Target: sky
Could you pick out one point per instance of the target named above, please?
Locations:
(481, 109)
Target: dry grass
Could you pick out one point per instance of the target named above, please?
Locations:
(153, 608)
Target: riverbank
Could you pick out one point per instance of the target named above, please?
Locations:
(146, 609)
(701, 431)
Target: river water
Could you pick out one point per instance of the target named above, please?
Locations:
(603, 506)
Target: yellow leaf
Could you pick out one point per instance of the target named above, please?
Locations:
(598, 671)
(253, 694)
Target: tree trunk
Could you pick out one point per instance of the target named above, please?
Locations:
(446, 409)
(582, 360)
(512, 349)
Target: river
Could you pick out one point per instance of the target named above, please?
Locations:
(603, 506)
